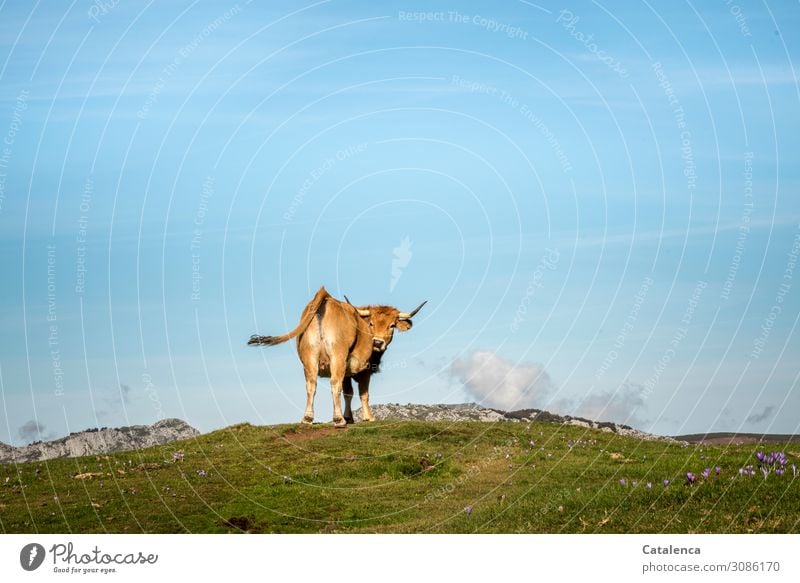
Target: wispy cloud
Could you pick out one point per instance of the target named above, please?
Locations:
(111, 402)
(678, 233)
(32, 431)
(625, 404)
(765, 414)
(743, 76)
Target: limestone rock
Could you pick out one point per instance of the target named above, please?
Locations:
(474, 412)
(100, 441)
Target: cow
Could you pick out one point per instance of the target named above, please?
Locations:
(343, 342)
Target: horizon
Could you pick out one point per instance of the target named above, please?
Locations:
(448, 405)
(597, 201)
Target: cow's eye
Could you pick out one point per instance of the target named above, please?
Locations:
(393, 326)
(370, 323)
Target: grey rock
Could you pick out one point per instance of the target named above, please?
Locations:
(101, 441)
(474, 412)
(5, 450)
(458, 412)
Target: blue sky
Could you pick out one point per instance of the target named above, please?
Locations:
(598, 200)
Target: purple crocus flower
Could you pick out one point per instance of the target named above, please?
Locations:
(760, 456)
(706, 473)
(690, 478)
(649, 485)
(623, 482)
(718, 470)
(666, 483)
(468, 510)
(779, 471)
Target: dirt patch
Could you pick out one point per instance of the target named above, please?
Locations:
(246, 524)
(309, 434)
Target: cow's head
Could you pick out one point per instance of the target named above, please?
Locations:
(383, 321)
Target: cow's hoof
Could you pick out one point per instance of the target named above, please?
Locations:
(349, 420)
(339, 422)
(369, 419)
(307, 420)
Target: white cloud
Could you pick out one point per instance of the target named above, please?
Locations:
(496, 382)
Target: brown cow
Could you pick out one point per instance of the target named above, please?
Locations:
(343, 342)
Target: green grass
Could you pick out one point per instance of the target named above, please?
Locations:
(403, 477)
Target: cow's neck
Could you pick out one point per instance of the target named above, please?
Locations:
(375, 361)
(365, 356)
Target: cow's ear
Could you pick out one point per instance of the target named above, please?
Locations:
(403, 325)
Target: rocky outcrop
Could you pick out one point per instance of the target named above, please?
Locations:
(473, 412)
(619, 428)
(5, 451)
(101, 441)
(459, 412)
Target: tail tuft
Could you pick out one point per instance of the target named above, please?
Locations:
(308, 314)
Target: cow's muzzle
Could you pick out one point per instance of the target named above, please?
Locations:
(379, 344)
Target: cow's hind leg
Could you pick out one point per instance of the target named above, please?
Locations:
(311, 370)
(347, 391)
(337, 378)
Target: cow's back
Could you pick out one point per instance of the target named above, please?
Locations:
(331, 335)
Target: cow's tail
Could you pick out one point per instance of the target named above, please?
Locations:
(308, 315)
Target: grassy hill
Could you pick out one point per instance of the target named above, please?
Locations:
(406, 476)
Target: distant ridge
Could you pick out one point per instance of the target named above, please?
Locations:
(100, 441)
(724, 438)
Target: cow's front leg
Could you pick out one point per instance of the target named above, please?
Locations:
(363, 393)
(347, 391)
(337, 378)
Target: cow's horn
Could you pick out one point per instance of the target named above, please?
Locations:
(359, 310)
(407, 316)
